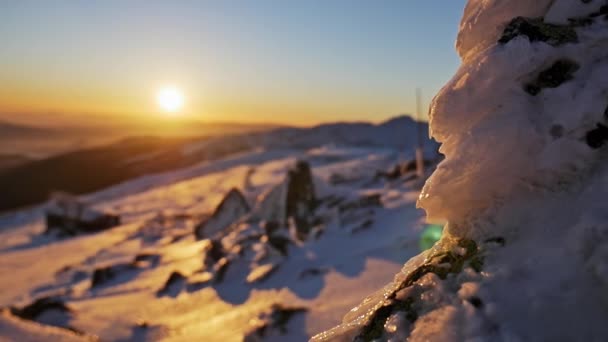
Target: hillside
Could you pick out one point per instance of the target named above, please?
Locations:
(135, 157)
(250, 276)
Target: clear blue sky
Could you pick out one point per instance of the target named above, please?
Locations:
(282, 60)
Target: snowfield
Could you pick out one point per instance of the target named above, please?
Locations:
(151, 279)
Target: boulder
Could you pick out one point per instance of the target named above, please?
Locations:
(293, 201)
(67, 216)
(231, 209)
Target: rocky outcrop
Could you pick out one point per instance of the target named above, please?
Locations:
(232, 208)
(292, 202)
(522, 125)
(67, 216)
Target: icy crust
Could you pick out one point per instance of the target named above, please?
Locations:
(524, 130)
(503, 134)
(484, 20)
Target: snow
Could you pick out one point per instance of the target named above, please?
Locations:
(326, 275)
(523, 184)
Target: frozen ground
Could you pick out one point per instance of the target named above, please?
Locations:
(326, 275)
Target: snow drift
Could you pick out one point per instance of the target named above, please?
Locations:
(523, 127)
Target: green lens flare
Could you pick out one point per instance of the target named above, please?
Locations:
(430, 235)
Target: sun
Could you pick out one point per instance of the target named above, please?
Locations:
(170, 99)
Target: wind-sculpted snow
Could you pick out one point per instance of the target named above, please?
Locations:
(523, 126)
(254, 275)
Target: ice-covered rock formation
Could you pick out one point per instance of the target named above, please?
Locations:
(523, 126)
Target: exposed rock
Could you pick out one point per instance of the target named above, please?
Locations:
(39, 306)
(597, 137)
(49, 311)
(301, 199)
(535, 29)
(558, 73)
(232, 208)
(441, 263)
(273, 322)
(402, 169)
(293, 200)
(105, 275)
(69, 217)
(174, 284)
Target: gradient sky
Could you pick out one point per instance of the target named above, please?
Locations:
(295, 62)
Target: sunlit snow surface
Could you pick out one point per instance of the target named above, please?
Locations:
(159, 213)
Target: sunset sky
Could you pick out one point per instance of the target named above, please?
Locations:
(291, 62)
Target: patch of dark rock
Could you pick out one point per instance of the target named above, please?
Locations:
(232, 208)
(105, 275)
(375, 329)
(271, 227)
(580, 22)
(476, 302)
(214, 252)
(536, 30)
(402, 170)
(442, 264)
(174, 284)
(301, 198)
(602, 11)
(280, 243)
(596, 138)
(49, 311)
(68, 216)
(274, 320)
(39, 306)
(558, 73)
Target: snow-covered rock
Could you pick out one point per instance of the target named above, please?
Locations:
(523, 127)
(67, 216)
(290, 202)
(232, 208)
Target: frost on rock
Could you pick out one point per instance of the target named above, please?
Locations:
(67, 216)
(523, 126)
(232, 208)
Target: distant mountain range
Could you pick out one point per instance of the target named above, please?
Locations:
(46, 141)
(107, 165)
(12, 131)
